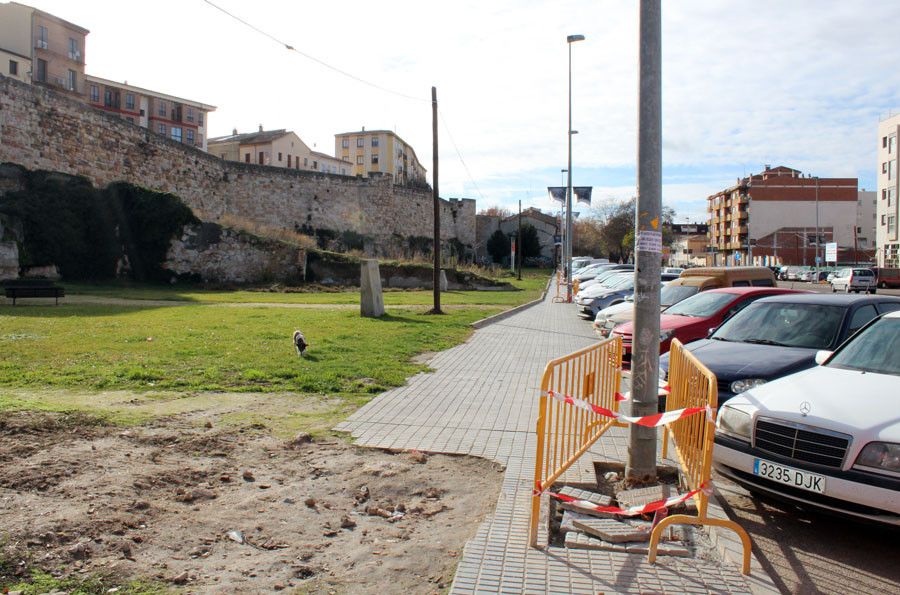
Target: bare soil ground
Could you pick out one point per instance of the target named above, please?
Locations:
(223, 509)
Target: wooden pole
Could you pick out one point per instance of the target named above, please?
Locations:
(436, 277)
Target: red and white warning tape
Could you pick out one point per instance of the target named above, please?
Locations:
(706, 487)
(650, 421)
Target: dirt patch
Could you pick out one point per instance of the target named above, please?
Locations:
(225, 509)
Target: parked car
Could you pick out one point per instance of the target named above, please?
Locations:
(602, 283)
(827, 437)
(853, 279)
(885, 278)
(672, 270)
(594, 301)
(692, 318)
(609, 318)
(606, 272)
(780, 335)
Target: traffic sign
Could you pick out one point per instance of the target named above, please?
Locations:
(831, 252)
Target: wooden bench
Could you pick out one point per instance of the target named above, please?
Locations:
(33, 290)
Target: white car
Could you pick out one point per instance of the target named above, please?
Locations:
(853, 279)
(827, 437)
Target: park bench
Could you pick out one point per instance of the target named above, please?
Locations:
(32, 288)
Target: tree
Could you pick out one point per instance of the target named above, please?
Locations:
(531, 245)
(498, 246)
(496, 211)
(618, 228)
(587, 237)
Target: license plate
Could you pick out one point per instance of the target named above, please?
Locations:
(797, 478)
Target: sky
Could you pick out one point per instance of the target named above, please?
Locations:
(745, 83)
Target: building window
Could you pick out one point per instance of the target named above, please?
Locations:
(891, 140)
(289, 160)
(42, 37)
(262, 158)
(176, 133)
(200, 118)
(374, 159)
(161, 109)
(360, 142)
(41, 71)
(246, 157)
(359, 159)
(345, 143)
(190, 114)
(315, 165)
(74, 54)
(190, 136)
(129, 100)
(161, 129)
(305, 162)
(111, 98)
(95, 93)
(374, 141)
(890, 168)
(279, 156)
(13, 67)
(891, 227)
(199, 140)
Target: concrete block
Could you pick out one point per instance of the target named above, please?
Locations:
(371, 300)
(580, 541)
(592, 497)
(611, 530)
(568, 519)
(443, 281)
(644, 496)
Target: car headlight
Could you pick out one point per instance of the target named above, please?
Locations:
(734, 422)
(745, 384)
(663, 335)
(882, 456)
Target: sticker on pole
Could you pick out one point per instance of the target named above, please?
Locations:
(649, 241)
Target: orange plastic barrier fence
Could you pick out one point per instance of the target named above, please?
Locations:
(564, 433)
(691, 384)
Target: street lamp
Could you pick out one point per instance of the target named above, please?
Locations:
(570, 40)
(562, 223)
(817, 228)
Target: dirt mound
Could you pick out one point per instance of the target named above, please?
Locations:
(232, 510)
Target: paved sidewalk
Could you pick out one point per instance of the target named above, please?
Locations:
(481, 400)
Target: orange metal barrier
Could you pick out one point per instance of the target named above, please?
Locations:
(693, 385)
(564, 433)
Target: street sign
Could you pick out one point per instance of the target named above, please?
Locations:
(831, 252)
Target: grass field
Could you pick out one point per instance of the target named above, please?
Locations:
(529, 288)
(131, 361)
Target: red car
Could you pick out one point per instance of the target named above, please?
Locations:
(692, 318)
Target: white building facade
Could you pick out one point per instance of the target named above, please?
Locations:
(887, 213)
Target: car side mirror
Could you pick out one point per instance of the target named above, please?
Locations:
(711, 331)
(822, 356)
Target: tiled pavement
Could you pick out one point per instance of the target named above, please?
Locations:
(481, 400)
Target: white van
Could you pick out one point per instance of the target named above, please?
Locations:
(856, 280)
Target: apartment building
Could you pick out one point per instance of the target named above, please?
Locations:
(866, 220)
(276, 148)
(379, 151)
(772, 217)
(182, 120)
(690, 246)
(887, 214)
(37, 47)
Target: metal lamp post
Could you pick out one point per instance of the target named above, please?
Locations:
(562, 223)
(817, 229)
(570, 40)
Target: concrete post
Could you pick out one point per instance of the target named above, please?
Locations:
(641, 465)
(443, 282)
(371, 300)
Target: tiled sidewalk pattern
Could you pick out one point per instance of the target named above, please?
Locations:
(481, 400)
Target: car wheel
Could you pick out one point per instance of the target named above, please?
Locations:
(872, 290)
(847, 288)
(833, 289)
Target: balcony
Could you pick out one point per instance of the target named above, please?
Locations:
(742, 230)
(743, 214)
(744, 199)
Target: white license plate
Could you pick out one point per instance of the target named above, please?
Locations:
(789, 476)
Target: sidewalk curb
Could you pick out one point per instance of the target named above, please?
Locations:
(507, 313)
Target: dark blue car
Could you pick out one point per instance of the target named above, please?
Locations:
(780, 335)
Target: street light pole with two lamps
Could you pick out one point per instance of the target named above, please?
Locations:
(568, 246)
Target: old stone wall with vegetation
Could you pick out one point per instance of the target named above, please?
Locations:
(41, 129)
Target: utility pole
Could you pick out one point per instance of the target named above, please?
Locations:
(570, 39)
(436, 275)
(519, 244)
(817, 229)
(641, 465)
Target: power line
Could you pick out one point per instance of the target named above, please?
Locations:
(458, 154)
(291, 48)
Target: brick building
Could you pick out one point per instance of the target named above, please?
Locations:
(771, 218)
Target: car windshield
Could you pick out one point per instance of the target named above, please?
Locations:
(702, 305)
(876, 349)
(672, 294)
(811, 326)
(620, 282)
(607, 274)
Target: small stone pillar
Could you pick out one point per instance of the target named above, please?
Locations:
(443, 280)
(371, 300)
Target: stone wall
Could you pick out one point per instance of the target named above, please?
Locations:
(43, 129)
(211, 253)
